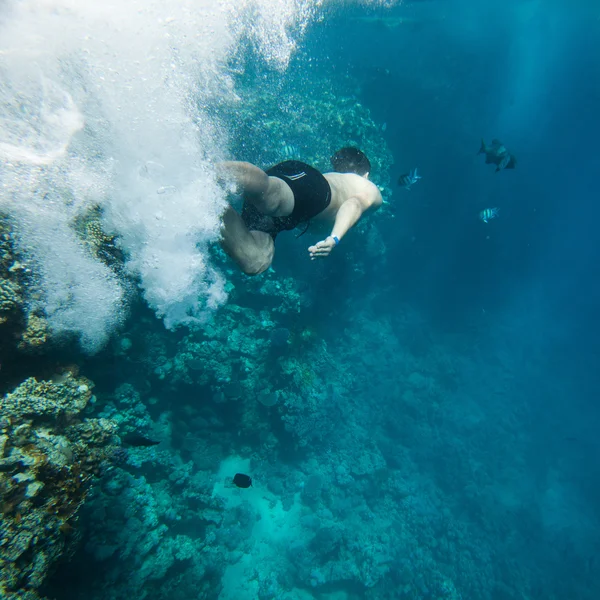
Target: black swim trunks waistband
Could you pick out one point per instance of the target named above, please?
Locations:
(312, 195)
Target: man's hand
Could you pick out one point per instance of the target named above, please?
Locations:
(322, 249)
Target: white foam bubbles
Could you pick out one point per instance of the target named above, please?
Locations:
(104, 103)
(38, 121)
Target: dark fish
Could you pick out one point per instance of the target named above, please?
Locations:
(409, 179)
(497, 154)
(138, 440)
(242, 481)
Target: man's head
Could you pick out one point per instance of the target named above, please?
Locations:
(351, 160)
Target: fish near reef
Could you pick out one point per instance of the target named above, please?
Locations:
(242, 481)
(137, 440)
(497, 154)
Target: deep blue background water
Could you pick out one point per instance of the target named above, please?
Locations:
(486, 72)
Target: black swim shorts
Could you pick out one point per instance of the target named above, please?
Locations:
(312, 195)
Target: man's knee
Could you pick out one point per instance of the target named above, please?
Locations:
(257, 265)
(260, 260)
(254, 269)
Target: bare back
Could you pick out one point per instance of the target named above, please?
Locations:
(348, 185)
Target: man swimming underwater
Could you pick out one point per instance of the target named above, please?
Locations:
(290, 194)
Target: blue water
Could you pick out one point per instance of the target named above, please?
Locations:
(419, 411)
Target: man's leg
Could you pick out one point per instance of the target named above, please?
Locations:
(270, 195)
(252, 250)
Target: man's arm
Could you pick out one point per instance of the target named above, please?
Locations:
(347, 216)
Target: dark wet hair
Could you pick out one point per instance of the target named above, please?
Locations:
(351, 160)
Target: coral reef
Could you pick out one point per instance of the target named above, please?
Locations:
(20, 328)
(90, 229)
(35, 334)
(11, 293)
(10, 298)
(251, 367)
(334, 430)
(49, 455)
(25, 329)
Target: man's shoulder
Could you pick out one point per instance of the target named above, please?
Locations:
(351, 180)
(368, 188)
(349, 185)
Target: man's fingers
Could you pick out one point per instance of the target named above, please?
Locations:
(322, 244)
(320, 250)
(315, 253)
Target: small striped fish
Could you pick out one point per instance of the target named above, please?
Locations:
(409, 179)
(288, 151)
(488, 213)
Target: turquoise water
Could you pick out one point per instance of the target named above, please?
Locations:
(418, 412)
